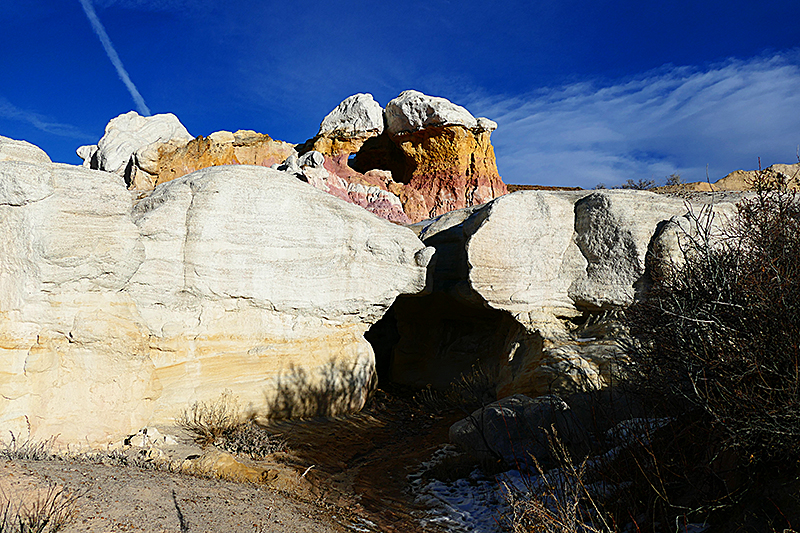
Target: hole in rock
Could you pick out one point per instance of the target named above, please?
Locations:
(383, 154)
(435, 339)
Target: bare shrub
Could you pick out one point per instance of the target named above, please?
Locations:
(222, 423)
(210, 422)
(253, 440)
(723, 330)
(717, 351)
(50, 511)
(674, 179)
(469, 392)
(638, 185)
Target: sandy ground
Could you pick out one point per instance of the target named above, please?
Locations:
(131, 499)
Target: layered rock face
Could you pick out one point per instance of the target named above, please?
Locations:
(448, 154)
(243, 147)
(232, 278)
(74, 356)
(255, 282)
(525, 282)
(745, 180)
(440, 157)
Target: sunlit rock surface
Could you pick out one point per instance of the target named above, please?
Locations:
(14, 150)
(438, 156)
(232, 278)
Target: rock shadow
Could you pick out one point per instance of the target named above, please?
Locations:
(334, 389)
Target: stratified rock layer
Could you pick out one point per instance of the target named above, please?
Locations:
(440, 157)
(745, 180)
(74, 356)
(237, 278)
(243, 147)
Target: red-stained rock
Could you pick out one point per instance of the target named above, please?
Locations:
(440, 157)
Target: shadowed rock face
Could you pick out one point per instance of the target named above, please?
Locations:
(238, 278)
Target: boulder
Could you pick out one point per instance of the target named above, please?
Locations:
(88, 153)
(357, 114)
(519, 429)
(529, 284)
(130, 133)
(231, 278)
(14, 150)
(413, 111)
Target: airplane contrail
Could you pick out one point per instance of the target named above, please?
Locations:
(114, 57)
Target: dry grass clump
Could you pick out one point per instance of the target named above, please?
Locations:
(561, 500)
(27, 450)
(469, 392)
(49, 511)
(223, 423)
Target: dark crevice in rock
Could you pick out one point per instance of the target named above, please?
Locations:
(384, 336)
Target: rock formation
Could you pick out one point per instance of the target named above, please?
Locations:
(243, 147)
(420, 158)
(231, 278)
(524, 283)
(13, 150)
(131, 144)
(439, 156)
(148, 151)
(310, 167)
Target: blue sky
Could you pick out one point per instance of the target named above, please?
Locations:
(583, 91)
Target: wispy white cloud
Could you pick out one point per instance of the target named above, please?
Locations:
(155, 5)
(9, 111)
(675, 119)
(114, 57)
